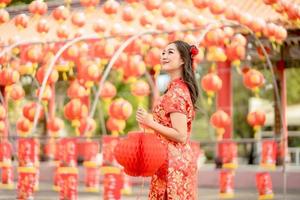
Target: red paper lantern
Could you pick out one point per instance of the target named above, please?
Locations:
(21, 21)
(23, 126)
(111, 7)
(128, 14)
(140, 88)
(42, 26)
(211, 83)
(68, 183)
(54, 125)
(38, 7)
(120, 109)
(62, 32)
(217, 7)
(84, 123)
(68, 155)
(26, 182)
(185, 16)
(146, 19)
(108, 145)
(220, 120)
(9, 76)
(168, 9)
(141, 154)
(60, 13)
(201, 4)
(4, 3)
(270, 2)
(7, 177)
(99, 26)
(76, 90)
(4, 16)
(264, 185)
(41, 72)
(78, 19)
(92, 179)
(115, 125)
(108, 91)
(75, 110)
(90, 152)
(253, 79)
(89, 4)
(135, 68)
(29, 111)
(5, 153)
(152, 4)
(226, 184)
(256, 118)
(47, 93)
(17, 92)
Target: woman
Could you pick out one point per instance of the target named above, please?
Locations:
(172, 121)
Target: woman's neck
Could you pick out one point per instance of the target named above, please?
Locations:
(175, 75)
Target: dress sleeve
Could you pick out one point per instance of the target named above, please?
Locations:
(175, 101)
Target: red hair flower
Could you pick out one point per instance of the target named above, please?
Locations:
(193, 51)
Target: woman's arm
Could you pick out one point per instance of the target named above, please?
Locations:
(177, 133)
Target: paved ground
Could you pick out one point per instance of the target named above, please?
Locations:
(140, 193)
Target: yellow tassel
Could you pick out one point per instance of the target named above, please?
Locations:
(65, 77)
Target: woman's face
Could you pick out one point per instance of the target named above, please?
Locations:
(170, 58)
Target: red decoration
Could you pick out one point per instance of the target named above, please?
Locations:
(29, 111)
(152, 4)
(89, 3)
(26, 182)
(21, 21)
(226, 184)
(9, 76)
(75, 110)
(62, 32)
(108, 146)
(128, 14)
(211, 83)
(68, 183)
(140, 88)
(111, 7)
(2, 112)
(23, 126)
(116, 126)
(4, 16)
(5, 153)
(76, 90)
(168, 9)
(87, 125)
(38, 7)
(54, 125)
(78, 19)
(228, 154)
(269, 152)
(120, 109)
(28, 152)
(7, 178)
(60, 13)
(112, 185)
(68, 155)
(92, 179)
(220, 120)
(217, 7)
(17, 92)
(253, 79)
(141, 154)
(108, 91)
(264, 185)
(201, 4)
(256, 119)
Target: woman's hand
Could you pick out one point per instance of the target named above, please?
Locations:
(143, 117)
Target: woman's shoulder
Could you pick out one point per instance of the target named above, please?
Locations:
(178, 87)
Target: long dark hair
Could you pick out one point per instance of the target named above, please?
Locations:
(188, 74)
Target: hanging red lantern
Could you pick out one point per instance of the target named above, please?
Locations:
(215, 37)
(116, 126)
(76, 90)
(128, 14)
(146, 19)
(90, 152)
(9, 76)
(99, 26)
(228, 154)
(141, 154)
(256, 119)
(140, 89)
(78, 19)
(211, 83)
(42, 26)
(239, 39)
(89, 72)
(257, 25)
(199, 21)
(120, 109)
(33, 54)
(281, 34)
(4, 3)
(116, 29)
(217, 7)
(108, 145)
(38, 7)
(4, 16)
(231, 13)
(162, 25)
(168, 9)
(41, 72)
(5, 153)
(185, 16)
(245, 19)
(75, 110)
(153, 57)
(111, 7)
(270, 2)
(235, 53)
(60, 13)
(29, 111)
(216, 54)
(269, 153)
(23, 126)
(201, 4)
(226, 184)
(62, 32)
(220, 120)
(135, 67)
(17, 92)
(21, 21)
(253, 80)
(108, 91)
(92, 179)
(7, 177)
(264, 185)
(54, 125)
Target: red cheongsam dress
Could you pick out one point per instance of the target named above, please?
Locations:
(177, 178)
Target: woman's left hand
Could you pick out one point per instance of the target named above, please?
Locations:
(143, 117)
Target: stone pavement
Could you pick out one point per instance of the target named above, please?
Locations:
(139, 193)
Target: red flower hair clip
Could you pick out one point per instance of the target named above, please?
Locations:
(193, 51)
